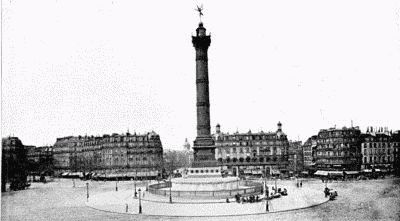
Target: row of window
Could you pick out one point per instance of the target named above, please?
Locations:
(248, 143)
(235, 150)
(248, 159)
(334, 153)
(377, 145)
(329, 161)
(203, 171)
(377, 139)
(377, 151)
(250, 137)
(337, 140)
(338, 133)
(342, 145)
(383, 159)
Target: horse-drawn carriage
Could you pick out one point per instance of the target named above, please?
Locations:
(332, 194)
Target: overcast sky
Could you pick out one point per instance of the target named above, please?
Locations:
(73, 67)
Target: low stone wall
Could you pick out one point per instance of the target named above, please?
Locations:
(247, 187)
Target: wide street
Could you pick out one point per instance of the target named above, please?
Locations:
(59, 200)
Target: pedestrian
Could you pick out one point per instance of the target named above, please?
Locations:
(326, 191)
(267, 206)
(301, 183)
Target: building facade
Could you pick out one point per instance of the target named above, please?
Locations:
(377, 150)
(396, 152)
(188, 151)
(296, 158)
(14, 164)
(309, 148)
(40, 160)
(338, 149)
(131, 154)
(252, 153)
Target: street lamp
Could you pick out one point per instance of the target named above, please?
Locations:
(87, 192)
(147, 180)
(170, 187)
(140, 203)
(134, 183)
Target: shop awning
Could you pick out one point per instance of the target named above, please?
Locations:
(321, 173)
(351, 172)
(335, 173)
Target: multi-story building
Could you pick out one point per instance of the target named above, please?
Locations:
(295, 156)
(14, 164)
(40, 159)
(252, 153)
(63, 150)
(309, 148)
(130, 154)
(339, 149)
(377, 149)
(396, 152)
(188, 152)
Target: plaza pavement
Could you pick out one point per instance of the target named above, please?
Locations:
(154, 205)
(364, 200)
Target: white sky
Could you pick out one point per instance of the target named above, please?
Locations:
(73, 67)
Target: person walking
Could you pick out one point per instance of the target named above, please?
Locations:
(326, 191)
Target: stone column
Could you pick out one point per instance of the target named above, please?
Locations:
(204, 149)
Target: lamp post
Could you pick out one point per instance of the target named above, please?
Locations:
(170, 187)
(147, 179)
(87, 192)
(134, 182)
(140, 202)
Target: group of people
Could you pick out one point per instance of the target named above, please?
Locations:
(299, 184)
(246, 199)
